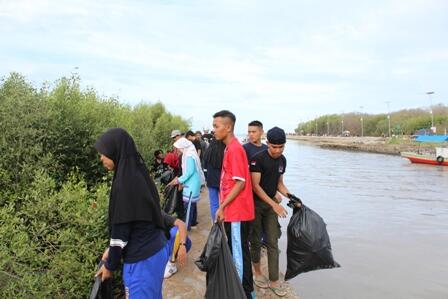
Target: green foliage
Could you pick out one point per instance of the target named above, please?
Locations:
(51, 240)
(55, 129)
(403, 122)
(53, 190)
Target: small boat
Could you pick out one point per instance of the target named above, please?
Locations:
(439, 158)
(425, 159)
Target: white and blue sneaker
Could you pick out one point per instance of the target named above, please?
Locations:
(170, 269)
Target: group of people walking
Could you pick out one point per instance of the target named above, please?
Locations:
(245, 186)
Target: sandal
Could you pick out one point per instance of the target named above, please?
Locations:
(279, 291)
(261, 283)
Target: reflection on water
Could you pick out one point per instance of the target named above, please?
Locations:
(387, 220)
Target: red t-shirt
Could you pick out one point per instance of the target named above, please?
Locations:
(172, 159)
(235, 167)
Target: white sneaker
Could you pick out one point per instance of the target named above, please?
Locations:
(170, 269)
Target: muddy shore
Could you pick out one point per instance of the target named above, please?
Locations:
(189, 281)
(379, 145)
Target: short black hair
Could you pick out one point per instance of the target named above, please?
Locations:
(198, 132)
(157, 152)
(256, 123)
(226, 114)
(189, 133)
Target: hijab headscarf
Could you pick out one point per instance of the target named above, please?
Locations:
(133, 196)
(189, 150)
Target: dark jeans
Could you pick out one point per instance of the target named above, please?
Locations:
(180, 210)
(194, 219)
(266, 225)
(193, 214)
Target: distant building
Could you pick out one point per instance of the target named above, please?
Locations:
(424, 132)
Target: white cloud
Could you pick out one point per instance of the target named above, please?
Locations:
(253, 57)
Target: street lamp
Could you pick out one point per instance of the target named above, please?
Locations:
(430, 93)
(388, 115)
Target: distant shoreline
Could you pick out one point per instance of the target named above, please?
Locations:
(378, 145)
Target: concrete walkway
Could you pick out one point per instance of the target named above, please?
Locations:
(189, 281)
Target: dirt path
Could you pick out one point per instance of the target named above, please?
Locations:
(189, 282)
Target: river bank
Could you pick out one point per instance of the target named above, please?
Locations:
(189, 281)
(379, 145)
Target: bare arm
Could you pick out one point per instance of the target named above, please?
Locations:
(281, 187)
(278, 209)
(239, 186)
(182, 228)
(182, 251)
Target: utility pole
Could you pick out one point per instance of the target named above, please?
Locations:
(388, 115)
(362, 121)
(430, 93)
(328, 128)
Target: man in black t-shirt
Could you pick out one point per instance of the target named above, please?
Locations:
(267, 169)
(158, 167)
(254, 146)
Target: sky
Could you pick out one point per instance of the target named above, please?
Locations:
(280, 62)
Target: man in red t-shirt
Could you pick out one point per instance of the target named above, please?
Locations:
(236, 203)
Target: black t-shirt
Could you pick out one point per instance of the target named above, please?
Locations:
(252, 149)
(158, 168)
(213, 176)
(271, 169)
(134, 241)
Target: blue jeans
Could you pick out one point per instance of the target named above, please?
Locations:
(213, 194)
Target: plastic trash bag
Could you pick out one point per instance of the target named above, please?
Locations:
(170, 193)
(309, 245)
(223, 281)
(101, 290)
(166, 177)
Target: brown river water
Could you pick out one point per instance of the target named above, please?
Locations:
(387, 220)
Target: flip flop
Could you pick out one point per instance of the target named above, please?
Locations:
(261, 283)
(279, 291)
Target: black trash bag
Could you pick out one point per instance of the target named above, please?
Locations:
(309, 245)
(101, 290)
(223, 281)
(166, 177)
(170, 193)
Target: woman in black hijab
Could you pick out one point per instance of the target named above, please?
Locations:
(135, 220)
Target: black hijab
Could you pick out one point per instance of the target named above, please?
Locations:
(133, 196)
